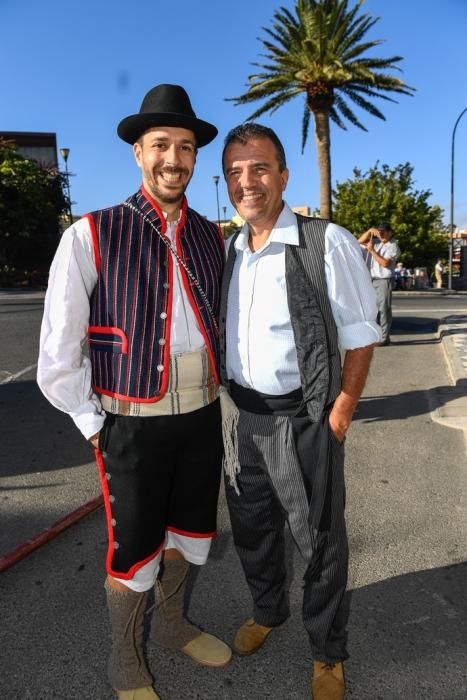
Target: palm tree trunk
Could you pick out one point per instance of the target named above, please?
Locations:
(323, 149)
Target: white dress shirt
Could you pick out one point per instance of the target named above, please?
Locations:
(261, 350)
(389, 250)
(64, 368)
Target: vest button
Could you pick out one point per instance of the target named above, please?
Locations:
(116, 545)
(166, 285)
(108, 476)
(111, 499)
(163, 315)
(114, 522)
(160, 368)
(161, 341)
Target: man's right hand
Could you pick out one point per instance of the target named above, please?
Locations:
(368, 235)
(94, 440)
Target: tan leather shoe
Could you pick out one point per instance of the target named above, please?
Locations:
(328, 681)
(250, 637)
(138, 694)
(207, 650)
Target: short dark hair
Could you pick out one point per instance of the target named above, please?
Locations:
(250, 130)
(384, 226)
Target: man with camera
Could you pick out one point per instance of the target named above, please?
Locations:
(384, 253)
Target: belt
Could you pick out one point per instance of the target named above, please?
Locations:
(290, 404)
(191, 386)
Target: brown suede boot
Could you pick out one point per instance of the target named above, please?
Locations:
(170, 629)
(250, 637)
(128, 673)
(328, 681)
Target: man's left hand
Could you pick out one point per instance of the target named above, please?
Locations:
(339, 422)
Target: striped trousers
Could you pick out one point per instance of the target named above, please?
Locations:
(292, 471)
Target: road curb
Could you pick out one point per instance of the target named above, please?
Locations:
(22, 551)
(453, 415)
(448, 329)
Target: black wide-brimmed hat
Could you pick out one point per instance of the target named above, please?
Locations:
(166, 105)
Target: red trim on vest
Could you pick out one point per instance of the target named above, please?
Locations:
(170, 269)
(126, 576)
(191, 534)
(221, 235)
(187, 285)
(125, 397)
(156, 207)
(110, 329)
(95, 241)
(166, 370)
(168, 326)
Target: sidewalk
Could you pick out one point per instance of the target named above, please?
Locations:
(452, 333)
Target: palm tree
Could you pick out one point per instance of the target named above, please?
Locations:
(320, 52)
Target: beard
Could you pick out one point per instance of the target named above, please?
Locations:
(165, 196)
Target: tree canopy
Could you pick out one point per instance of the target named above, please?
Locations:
(321, 52)
(388, 194)
(32, 200)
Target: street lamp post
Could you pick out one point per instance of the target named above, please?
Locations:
(224, 209)
(65, 152)
(216, 182)
(451, 219)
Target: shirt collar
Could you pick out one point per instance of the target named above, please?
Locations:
(175, 221)
(285, 230)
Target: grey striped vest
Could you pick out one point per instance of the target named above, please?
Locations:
(313, 324)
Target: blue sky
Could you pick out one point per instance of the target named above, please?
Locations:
(77, 68)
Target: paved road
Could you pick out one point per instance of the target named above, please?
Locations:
(407, 498)
(46, 468)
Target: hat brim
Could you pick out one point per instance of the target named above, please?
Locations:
(132, 127)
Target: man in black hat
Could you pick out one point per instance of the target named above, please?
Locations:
(384, 253)
(137, 285)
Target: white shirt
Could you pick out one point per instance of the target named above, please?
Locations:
(261, 350)
(389, 250)
(64, 368)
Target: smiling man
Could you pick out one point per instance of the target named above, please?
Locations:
(138, 284)
(295, 291)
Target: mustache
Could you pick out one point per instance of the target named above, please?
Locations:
(175, 170)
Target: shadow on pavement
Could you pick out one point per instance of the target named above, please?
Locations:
(411, 325)
(34, 436)
(409, 403)
(408, 636)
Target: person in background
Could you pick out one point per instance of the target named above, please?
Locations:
(399, 276)
(139, 283)
(384, 252)
(439, 269)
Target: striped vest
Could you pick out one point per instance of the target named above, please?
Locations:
(131, 305)
(311, 316)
